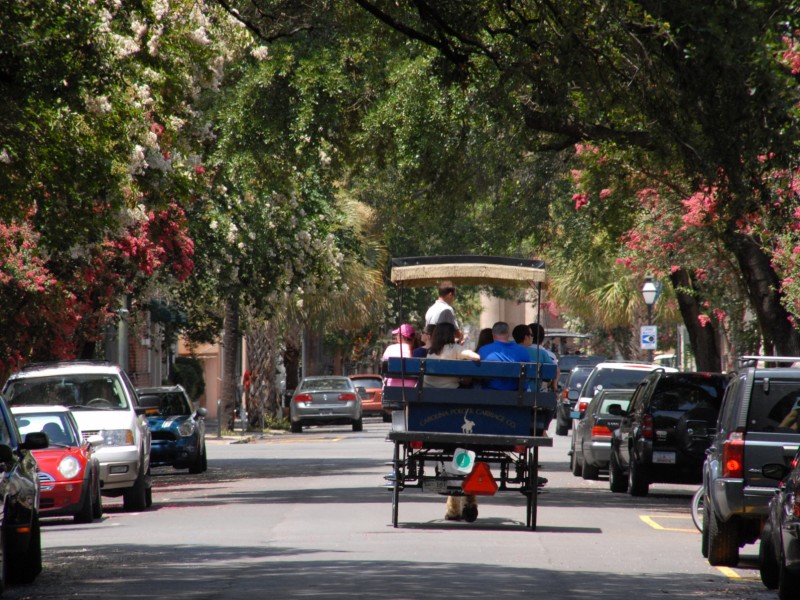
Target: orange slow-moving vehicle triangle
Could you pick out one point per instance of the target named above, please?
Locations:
(480, 482)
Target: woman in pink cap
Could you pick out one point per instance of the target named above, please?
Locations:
(403, 347)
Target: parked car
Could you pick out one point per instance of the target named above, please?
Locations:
(177, 430)
(779, 551)
(370, 388)
(757, 425)
(612, 375)
(594, 429)
(69, 472)
(666, 431)
(104, 402)
(325, 400)
(568, 396)
(21, 554)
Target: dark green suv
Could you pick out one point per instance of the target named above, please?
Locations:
(21, 555)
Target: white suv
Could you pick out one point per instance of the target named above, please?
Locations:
(607, 375)
(104, 402)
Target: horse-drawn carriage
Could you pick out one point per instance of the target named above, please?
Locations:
(468, 441)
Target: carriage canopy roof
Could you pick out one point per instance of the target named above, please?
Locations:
(498, 271)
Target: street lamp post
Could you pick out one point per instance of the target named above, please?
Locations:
(649, 293)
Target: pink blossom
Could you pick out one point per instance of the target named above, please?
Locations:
(581, 200)
(604, 193)
(704, 320)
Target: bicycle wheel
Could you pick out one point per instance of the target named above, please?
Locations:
(697, 509)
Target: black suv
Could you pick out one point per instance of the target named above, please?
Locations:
(21, 554)
(664, 435)
(759, 423)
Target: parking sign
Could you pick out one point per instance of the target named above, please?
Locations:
(649, 337)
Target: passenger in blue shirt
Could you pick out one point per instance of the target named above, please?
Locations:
(530, 337)
(502, 349)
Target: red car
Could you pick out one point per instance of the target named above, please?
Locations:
(69, 473)
(373, 392)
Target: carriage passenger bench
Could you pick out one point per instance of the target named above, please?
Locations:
(469, 440)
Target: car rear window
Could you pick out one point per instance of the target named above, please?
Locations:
(683, 396)
(368, 383)
(776, 408)
(616, 378)
(622, 403)
(325, 384)
(577, 378)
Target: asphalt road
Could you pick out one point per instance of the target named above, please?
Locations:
(303, 516)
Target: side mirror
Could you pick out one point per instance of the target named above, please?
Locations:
(35, 440)
(201, 412)
(95, 440)
(775, 471)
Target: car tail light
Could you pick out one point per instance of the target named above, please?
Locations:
(796, 506)
(601, 431)
(302, 398)
(733, 455)
(415, 444)
(647, 426)
(582, 405)
(347, 397)
(520, 449)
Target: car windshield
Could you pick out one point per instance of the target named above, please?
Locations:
(326, 384)
(55, 425)
(169, 404)
(84, 391)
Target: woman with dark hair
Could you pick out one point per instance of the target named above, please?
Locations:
(421, 349)
(484, 337)
(443, 345)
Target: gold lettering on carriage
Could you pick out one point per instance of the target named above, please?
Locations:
(468, 425)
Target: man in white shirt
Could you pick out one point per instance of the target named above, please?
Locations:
(442, 311)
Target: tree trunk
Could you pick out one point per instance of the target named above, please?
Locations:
(262, 396)
(231, 337)
(292, 354)
(703, 339)
(762, 285)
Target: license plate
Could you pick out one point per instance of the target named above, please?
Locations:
(664, 458)
(434, 485)
(324, 411)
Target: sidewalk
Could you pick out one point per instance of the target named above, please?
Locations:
(237, 436)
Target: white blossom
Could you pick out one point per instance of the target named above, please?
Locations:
(213, 225)
(260, 53)
(98, 104)
(199, 36)
(160, 8)
(136, 161)
(4, 157)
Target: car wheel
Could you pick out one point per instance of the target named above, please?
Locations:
(197, 466)
(86, 512)
(576, 464)
(616, 478)
(723, 542)
(97, 499)
(768, 566)
(788, 582)
(637, 479)
(205, 459)
(589, 471)
(135, 497)
(358, 425)
(25, 566)
(704, 531)
(297, 427)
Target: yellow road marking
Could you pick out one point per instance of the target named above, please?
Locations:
(729, 573)
(301, 441)
(649, 520)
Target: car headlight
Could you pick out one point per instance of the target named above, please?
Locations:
(186, 428)
(117, 437)
(69, 467)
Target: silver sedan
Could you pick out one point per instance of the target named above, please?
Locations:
(325, 400)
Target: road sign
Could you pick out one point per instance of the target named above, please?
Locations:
(649, 337)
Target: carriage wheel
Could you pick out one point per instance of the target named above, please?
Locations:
(396, 488)
(533, 489)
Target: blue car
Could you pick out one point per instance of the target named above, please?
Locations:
(177, 429)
